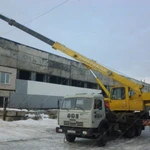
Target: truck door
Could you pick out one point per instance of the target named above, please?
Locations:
(99, 111)
(119, 98)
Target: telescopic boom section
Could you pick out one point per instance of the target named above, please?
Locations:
(27, 30)
(86, 61)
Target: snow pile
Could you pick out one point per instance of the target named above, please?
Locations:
(25, 129)
(37, 116)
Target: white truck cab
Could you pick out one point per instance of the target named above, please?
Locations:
(83, 115)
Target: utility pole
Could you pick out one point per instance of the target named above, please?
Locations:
(5, 108)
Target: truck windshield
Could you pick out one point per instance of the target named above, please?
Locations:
(77, 103)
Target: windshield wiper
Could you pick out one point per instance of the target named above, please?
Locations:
(80, 108)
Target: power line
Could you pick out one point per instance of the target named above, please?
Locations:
(47, 11)
(38, 16)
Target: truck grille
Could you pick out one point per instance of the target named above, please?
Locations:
(66, 123)
(80, 124)
(74, 124)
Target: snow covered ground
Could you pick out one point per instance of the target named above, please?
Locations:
(40, 135)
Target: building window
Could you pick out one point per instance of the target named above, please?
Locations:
(4, 78)
(53, 79)
(91, 85)
(24, 75)
(39, 77)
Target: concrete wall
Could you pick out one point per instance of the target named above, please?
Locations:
(4, 93)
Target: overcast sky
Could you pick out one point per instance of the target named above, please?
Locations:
(114, 33)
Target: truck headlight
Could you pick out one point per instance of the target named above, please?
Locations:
(58, 130)
(84, 132)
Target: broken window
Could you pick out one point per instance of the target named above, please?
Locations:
(53, 79)
(74, 83)
(40, 77)
(63, 81)
(91, 85)
(25, 75)
(77, 83)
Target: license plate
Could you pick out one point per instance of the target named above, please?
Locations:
(71, 131)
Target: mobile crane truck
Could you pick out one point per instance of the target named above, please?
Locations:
(86, 115)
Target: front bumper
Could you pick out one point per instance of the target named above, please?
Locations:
(79, 132)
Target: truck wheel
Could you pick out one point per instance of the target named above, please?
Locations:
(130, 133)
(138, 130)
(102, 139)
(70, 138)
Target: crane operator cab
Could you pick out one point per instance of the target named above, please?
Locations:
(123, 98)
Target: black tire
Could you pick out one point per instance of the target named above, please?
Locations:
(102, 138)
(70, 138)
(130, 133)
(138, 130)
